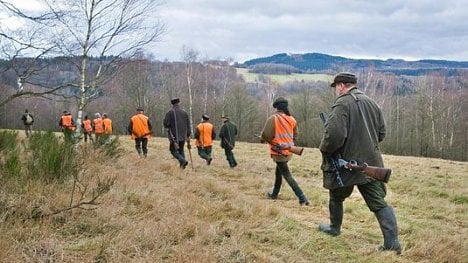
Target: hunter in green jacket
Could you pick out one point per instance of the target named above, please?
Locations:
(352, 132)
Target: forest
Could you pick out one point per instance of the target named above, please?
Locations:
(424, 114)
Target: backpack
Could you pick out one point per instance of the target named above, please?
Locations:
(29, 119)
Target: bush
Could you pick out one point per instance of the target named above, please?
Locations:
(51, 159)
(9, 154)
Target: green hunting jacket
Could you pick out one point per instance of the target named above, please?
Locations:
(228, 134)
(346, 135)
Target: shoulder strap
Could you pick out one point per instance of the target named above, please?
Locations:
(358, 102)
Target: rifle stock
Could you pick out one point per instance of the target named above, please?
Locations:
(378, 173)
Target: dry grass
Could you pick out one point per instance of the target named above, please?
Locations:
(156, 212)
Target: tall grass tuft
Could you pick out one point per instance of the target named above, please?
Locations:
(9, 154)
(111, 148)
(51, 158)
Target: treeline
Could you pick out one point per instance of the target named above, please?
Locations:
(323, 63)
(424, 114)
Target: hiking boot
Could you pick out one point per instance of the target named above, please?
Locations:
(209, 161)
(330, 230)
(272, 196)
(184, 165)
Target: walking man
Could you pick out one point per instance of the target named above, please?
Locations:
(140, 129)
(107, 123)
(98, 127)
(280, 132)
(177, 124)
(87, 129)
(204, 135)
(28, 121)
(68, 125)
(227, 135)
(352, 132)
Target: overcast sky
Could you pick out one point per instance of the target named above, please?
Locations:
(247, 29)
(242, 30)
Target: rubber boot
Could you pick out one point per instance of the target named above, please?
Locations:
(388, 225)
(336, 218)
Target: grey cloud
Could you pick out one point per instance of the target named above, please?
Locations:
(359, 28)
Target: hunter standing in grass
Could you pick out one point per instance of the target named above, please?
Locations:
(67, 124)
(177, 124)
(87, 129)
(204, 135)
(280, 132)
(352, 132)
(28, 121)
(107, 123)
(98, 127)
(227, 135)
(140, 129)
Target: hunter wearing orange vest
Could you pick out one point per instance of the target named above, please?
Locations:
(87, 129)
(68, 125)
(98, 127)
(204, 135)
(107, 123)
(280, 132)
(140, 128)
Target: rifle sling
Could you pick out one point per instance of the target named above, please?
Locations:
(358, 102)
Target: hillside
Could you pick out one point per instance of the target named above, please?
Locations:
(156, 212)
(317, 62)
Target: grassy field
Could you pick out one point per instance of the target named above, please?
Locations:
(253, 77)
(156, 212)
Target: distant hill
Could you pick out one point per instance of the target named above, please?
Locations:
(323, 63)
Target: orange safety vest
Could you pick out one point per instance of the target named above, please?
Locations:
(67, 122)
(140, 126)
(107, 125)
(98, 126)
(87, 126)
(205, 130)
(284, 133)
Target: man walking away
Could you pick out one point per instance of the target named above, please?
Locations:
(107, 123)
(352, 132)
(177, 124)
(140, 129)
(87, 129)
(204, 135)
(280, 132)
(227, 135)
(68, 125)
(28, 121)
(98, 127)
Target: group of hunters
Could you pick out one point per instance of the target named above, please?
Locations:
(353, 131)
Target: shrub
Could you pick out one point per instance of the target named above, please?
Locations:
(51, 158)
(9, 154)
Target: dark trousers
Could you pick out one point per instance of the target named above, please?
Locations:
(87, 135)
(230, 157)
(141, 144)
(27, 129)
(282, 170)
(373, 193)
(178, 153)
(204, 152)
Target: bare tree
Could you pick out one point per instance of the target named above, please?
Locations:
(107, 30)
(190, 57)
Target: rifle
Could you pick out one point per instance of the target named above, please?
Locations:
(378, 173)
(333, 161)
(228, 144)
(189, 147)
(172, 139)
(277, 148)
